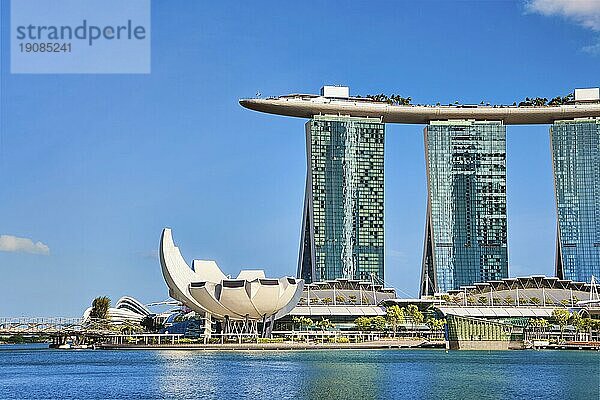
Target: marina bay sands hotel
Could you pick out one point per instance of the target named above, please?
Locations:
(465, 151)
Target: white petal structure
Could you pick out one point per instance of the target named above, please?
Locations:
(127, 310)
(205, 288)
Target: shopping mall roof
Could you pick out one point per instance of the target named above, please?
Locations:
(350, 311)
(523, 282)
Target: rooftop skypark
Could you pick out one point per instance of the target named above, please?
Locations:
(336, 100)
(399, 100)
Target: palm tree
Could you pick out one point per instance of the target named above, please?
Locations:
(324, 324)
(303, 322)
(539, 325)
(543, 323)
(580, 323)
(415, 315)
(435, 324)
(556, 101)
(394, 316)
(561, 317)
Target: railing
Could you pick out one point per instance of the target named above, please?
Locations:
(39, 325)
(288, 337)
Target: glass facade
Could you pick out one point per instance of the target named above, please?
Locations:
(342, 229)
(576, 162)
(466, 227)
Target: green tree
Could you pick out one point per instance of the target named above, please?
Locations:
(378, 323)
(435, 324)
(561, 317)
(535, 301)
(129, 328)
(416, 316)
(326, 300)
(394, 316)
(100, 307)
(558, 100)
(482, 300)
(325, 324)
(149, 324)
(593, 325)
(581, 324)
(523, 300)
(303, 322)
(538, 324)
(363, 323)
(296, 320)
(392, 99)
(509, 300)
(306, 322)
(340, 299)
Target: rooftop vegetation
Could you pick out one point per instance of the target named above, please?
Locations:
(398, 100)
(394, 99)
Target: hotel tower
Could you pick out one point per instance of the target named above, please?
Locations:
(576, 162)
(465, 230)
(342, 227)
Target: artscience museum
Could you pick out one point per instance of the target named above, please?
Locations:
(238, 305)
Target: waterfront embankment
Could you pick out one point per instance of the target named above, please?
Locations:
(371, 345)
(367, 345)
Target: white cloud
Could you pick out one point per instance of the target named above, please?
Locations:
(593, 49)
(584, 12)
(14, 244)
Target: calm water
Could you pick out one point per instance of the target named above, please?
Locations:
(34, 372)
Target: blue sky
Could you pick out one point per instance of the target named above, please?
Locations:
(94, 166)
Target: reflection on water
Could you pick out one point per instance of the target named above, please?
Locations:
(339, 374)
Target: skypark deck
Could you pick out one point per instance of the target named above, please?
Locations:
(307, 106)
